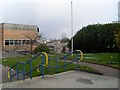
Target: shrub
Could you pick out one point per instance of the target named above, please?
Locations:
(42, 48)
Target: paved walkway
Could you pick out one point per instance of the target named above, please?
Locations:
(70, 79)
(10, 54)
(4, 75)
(0, 76)
(0, 73)
(106, 71)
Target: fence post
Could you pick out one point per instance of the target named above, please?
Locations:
(65, 63)
(42, 71)
(23, 71)
(48, 65)
(31, 70)
(77, 63)
(43, 59)
(56, 65)
(10, 75)
(17, 73)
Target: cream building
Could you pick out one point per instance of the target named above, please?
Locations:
(17, 36)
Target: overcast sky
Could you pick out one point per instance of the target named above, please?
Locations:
(53, 17)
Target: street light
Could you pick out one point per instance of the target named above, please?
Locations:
(71, 28)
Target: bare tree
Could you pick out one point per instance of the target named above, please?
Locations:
(32, 40)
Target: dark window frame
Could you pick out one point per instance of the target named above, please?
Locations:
(7, 42)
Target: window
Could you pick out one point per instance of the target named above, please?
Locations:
(24, 41)
(19, 41)
(23, 28)
(16, 42)
(27, 41)
(11, 42)
(37, 29)
(19, 28)
(6, 42)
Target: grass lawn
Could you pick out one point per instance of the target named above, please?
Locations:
(111, 59)
(11, 61)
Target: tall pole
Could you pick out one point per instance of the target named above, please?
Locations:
(71, 28)
(2, 37)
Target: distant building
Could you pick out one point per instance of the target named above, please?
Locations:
(56, 45)
(118, 21)
(17, 36)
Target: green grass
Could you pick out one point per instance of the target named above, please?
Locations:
(111, 59)
(11, 61)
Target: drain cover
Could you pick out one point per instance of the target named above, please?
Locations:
(84, 80)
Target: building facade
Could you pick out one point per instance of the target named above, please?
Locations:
(15, 37)
(1, 37)
(118, 12)
(57, 46)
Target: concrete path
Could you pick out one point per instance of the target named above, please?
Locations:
(0, 76)
(4, 75)
(0, 73)
(10, 54)
(0, 54)
(106, 71)
(70, 79)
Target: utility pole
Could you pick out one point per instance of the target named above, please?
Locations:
(71, 28)
(2, 37)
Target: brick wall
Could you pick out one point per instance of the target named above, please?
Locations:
(19, 48)
(11, 32)
(1, 39)
(19, 35)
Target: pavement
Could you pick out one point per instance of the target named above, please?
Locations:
(0, 76)
(0, 54)
(10, 54)
(5, 78)
(70, 79)
(0, 73)
(106, 71)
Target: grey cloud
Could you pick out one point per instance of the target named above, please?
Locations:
(53, 18)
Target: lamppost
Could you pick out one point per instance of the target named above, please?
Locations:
(71, 28)
(2, 37)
